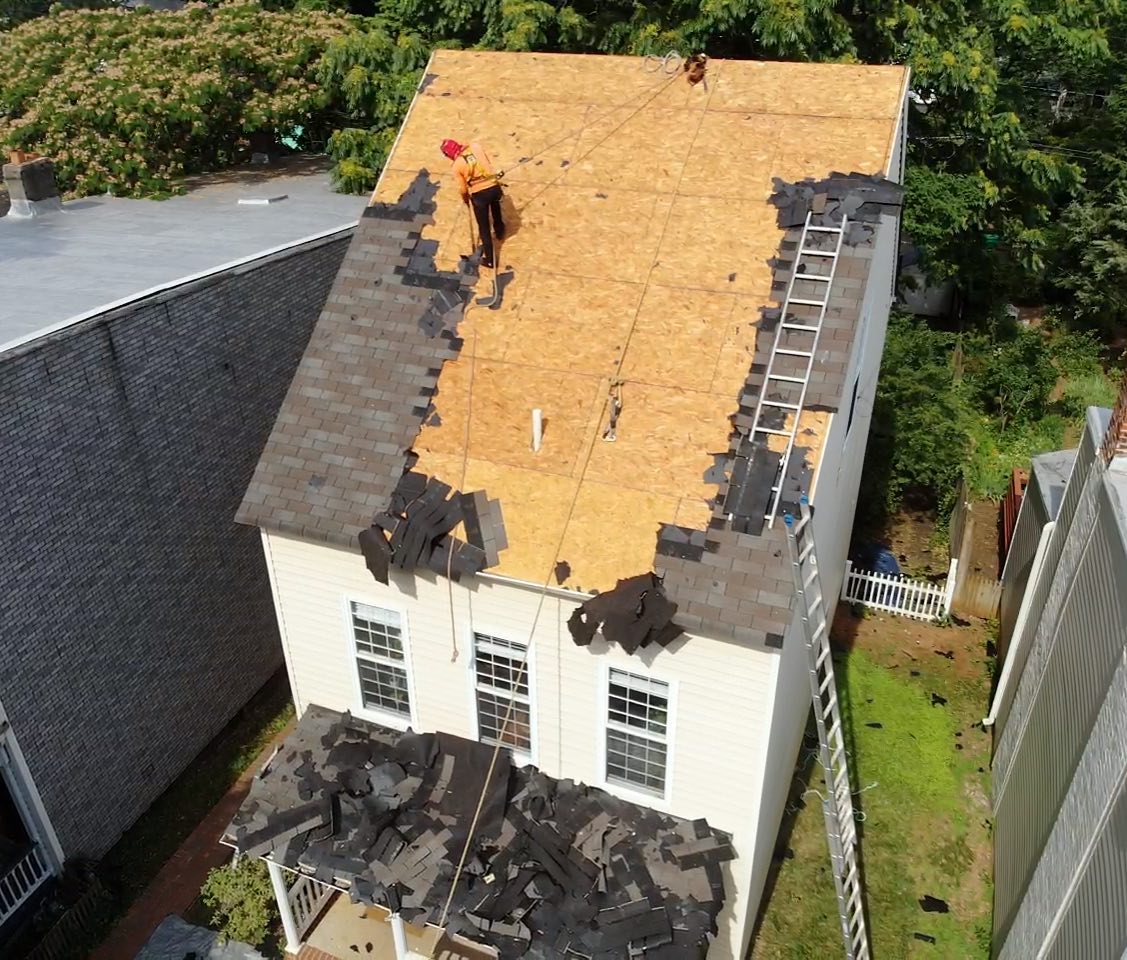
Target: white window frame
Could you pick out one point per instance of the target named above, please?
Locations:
(395, 721)
(627, 791)
(520, 757)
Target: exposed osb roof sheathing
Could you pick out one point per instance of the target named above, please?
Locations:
(640, 247)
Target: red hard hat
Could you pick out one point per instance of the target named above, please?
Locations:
(452, 149)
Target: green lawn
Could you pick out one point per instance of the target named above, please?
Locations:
(925, 828)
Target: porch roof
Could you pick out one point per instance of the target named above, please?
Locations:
(555, 868)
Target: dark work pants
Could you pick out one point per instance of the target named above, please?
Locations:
(485, 203)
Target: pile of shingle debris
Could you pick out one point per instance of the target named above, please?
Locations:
(415, 531)
(555, 869)
(634, 614)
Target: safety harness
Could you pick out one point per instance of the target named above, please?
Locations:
(478, 173)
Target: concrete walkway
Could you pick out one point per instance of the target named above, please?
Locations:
(176, 887)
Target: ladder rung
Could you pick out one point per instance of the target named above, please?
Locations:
(812, 276)
(806, 252)
(807, 303)
(777, 376)
(795, 353)
(779, 403)
(772, 431)
(813, 229)
(801, 326)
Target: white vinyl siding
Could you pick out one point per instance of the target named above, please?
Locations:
(381, 660)
(498, 682)
(710, 682)
(637, 732)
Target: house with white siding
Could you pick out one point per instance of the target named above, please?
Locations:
(554, 523)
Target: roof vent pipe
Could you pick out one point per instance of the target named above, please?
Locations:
(537, 429)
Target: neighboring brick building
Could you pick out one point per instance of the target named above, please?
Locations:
(137, 617)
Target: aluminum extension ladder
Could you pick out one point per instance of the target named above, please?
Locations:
(805, 351)
(837, 805)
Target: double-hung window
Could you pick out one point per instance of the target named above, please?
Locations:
(499, 682)
(381, 660)
(637, 732)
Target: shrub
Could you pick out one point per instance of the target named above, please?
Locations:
(242, 899)
(128, 101)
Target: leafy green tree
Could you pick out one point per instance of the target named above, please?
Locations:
(128, 102)
(1012, 372)
(944, 213)
(374, 75)
(919, 438)
(1093, 260)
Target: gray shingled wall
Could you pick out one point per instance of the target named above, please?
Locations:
(136, 615)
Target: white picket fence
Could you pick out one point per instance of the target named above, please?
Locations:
(899, 594)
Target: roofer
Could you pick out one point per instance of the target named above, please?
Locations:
(480, 187)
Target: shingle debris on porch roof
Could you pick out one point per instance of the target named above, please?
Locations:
(556, 869)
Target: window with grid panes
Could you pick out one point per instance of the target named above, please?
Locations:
(381, 660)
(637, 731)
(498, 682)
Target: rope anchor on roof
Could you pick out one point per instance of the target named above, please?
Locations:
(695, 67)
(610, 434)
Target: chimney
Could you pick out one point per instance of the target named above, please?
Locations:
(31, 186)
(1114, 448)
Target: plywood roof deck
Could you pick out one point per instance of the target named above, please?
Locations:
(640, 236)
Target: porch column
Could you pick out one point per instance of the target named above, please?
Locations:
(399, 935)
(281, 894)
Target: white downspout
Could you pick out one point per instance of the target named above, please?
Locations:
(281, 894)
(1004, 681)
(399, 935)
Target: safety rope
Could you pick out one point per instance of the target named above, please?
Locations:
(587, 123)
(522, 671)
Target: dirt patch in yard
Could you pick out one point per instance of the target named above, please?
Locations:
(985, 555)
(911, 536)
(913, 645)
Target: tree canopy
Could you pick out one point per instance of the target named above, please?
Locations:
(1016, 183)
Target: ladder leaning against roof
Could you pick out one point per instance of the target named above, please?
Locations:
(794, 348)
(837, 805)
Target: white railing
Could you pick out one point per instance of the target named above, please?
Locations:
(21, 881)
(899, 594)
(307, 899)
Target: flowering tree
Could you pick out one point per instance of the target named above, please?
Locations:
(127, 102)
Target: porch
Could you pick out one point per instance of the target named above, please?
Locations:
(26, 862)
(331, 927)
(478, 855)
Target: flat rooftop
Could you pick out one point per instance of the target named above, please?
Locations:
(102, 250)
(642, 249)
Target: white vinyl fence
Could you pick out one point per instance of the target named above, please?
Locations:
(899, 594)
